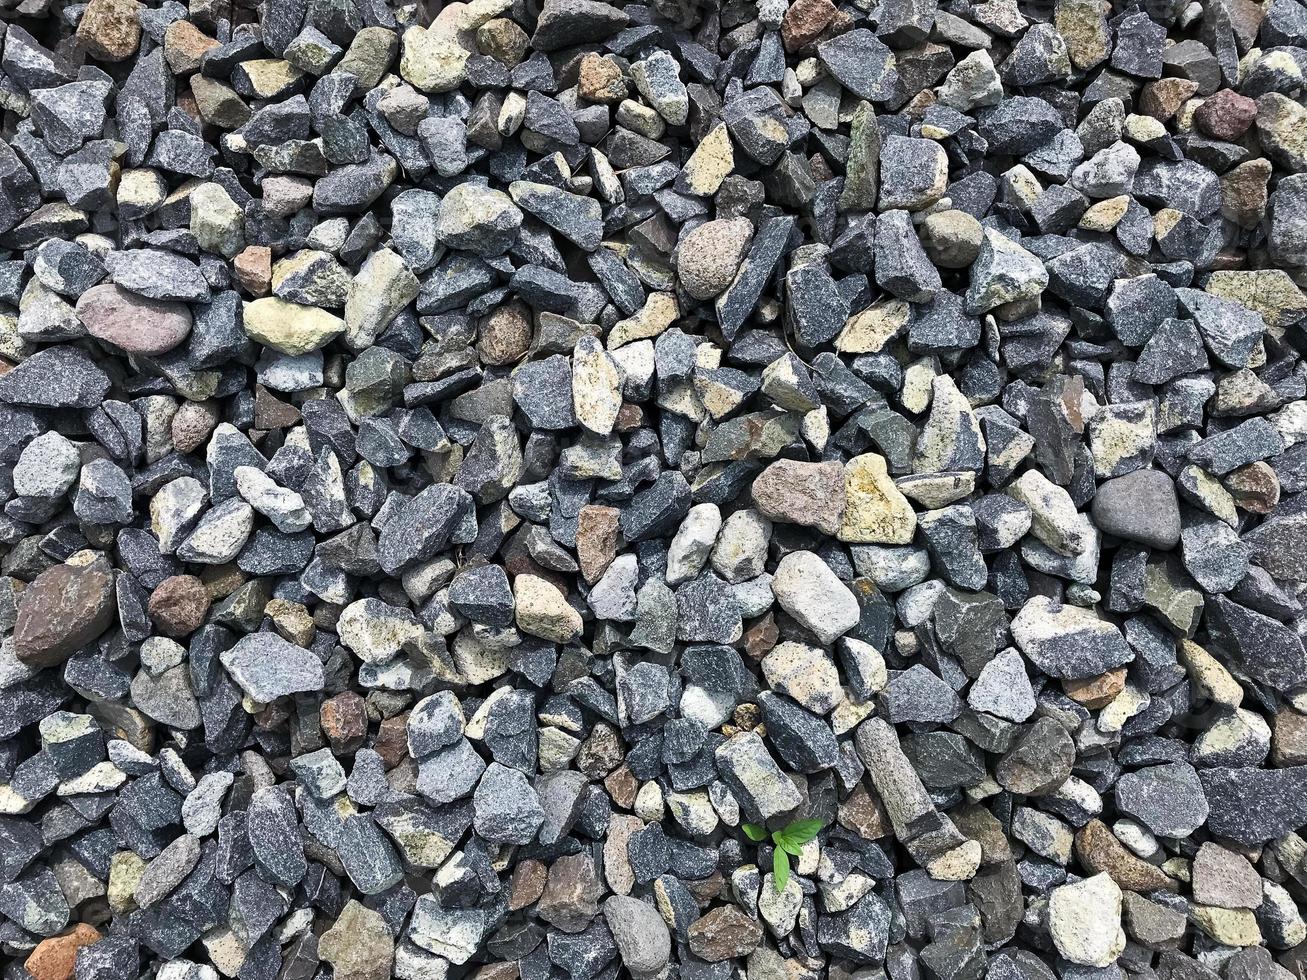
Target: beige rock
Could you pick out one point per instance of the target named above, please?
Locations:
(710, 163)
(1085, 921)
(875, 510)
(544, 611)
(358, 945)
(869, 330)
(432, 60)
(289, 327)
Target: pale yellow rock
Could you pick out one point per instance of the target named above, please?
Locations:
(1269, 292)
(1085, 921)
(711, 162)
(383, 287)
(659, 312)
(270, 76)
(1105, 215)
(1208, 676)
(359, 945)
(289, 327)
(125, 870)
(217, 222)
(875, 510)
(868, 331)
(1211, 495)
(1229, 927)
(958, 864)
(432, 60)
(543, 611)
(596, 386)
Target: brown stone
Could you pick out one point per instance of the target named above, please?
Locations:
(110, 30)
(505, 335)
(184, 46)
(222, 580)
(796, 492)
(1101, 853)
(862, 814)
(1096, 692)
(1163, 98)
(725, 933)
(344, 720)
(761, 636)
(1254, 487)
(596, 539)
(1289, 739)
(978, 824)
(600, 79)
(270, 412)
(1226, 115)
(193, 424)
(622, 787)
(291, 620)
(498, 971)
(502, 40)
(56, 957)
(527, 884)
(1243, 193)
(804, 22)
(178, 605)
(391, 742)
(252, 269)
(63, 609)
(629, 418)
(617, 859)
(570, 900)
(136, 324)
(600, 753)
(706, 889)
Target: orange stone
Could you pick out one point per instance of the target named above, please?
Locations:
(55, 958)
(1096, 692)
(253, 269)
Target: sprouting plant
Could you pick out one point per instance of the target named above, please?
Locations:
(786, 841)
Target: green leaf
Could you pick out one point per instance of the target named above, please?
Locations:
(802, 831)
(789, 847)
(753, 831)
(780, 870)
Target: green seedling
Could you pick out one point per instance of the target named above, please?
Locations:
(786, 841)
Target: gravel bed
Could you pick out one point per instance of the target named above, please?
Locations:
(778, 490)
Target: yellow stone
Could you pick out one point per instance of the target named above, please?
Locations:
(875, 510)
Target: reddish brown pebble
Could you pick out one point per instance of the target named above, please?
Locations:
(498, 971)
(804, 22)
(252, 269)
(527, 884)
(1226, 115)
(344, 720)
(505, 334)
(760, 637)
(862, 814)
(184, 46)
(622, 787)
(391, 742)
(178, 605)
(596, 539)
(62, 610)
(1254, 487)
(270, 412)
(56, 957)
